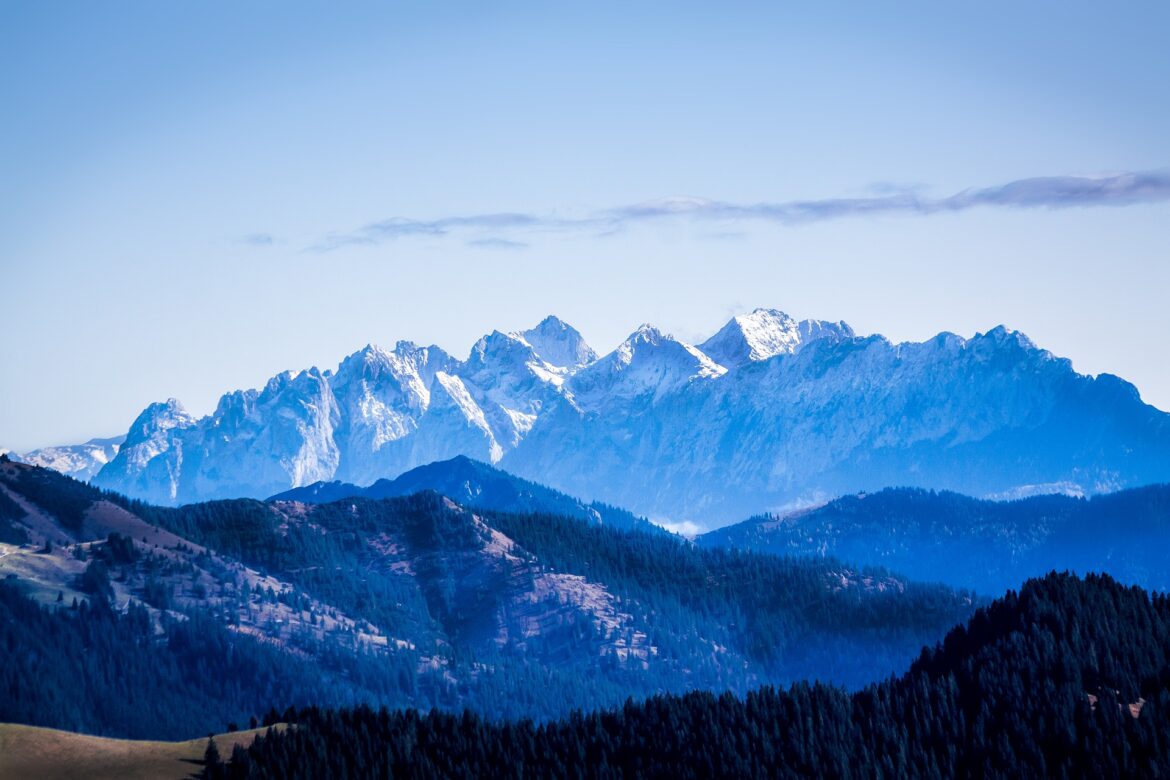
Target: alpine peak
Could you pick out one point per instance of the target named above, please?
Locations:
(765, 333)
(559, 344)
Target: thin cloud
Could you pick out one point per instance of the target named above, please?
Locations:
(401, 227)
(258, 239)
(497, 243)
(1045, 192)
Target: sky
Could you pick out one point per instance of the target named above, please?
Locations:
(196, 196)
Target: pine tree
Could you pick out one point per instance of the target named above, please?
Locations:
(211, 755)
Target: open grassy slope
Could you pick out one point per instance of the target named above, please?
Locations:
(49, 754)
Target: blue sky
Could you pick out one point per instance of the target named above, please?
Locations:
(198, 195)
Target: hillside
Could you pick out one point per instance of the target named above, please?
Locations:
(229, 607)
(1068, 678)
(988, 546)
(49, 754)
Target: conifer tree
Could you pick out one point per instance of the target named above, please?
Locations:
(211, 754)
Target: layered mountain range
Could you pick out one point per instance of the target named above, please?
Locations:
(165, 621)
(766, 414)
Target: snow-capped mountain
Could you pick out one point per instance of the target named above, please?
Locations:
(768, 413)
(80, 461)
(766, 332)
(649, 365)
(559, 344)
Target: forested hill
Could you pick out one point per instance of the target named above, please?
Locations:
(405, 602)
(475, 485)
(988, 546)
(1069, 678)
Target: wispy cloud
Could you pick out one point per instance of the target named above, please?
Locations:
(497, 243)
(402, 227)
(258, 239)
(1045, 192)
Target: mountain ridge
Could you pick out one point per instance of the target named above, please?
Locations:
(476, 485)
(804, 412)
(988, 546)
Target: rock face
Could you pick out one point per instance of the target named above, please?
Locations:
(768, 413)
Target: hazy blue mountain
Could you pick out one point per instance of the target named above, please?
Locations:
(767, 414)
(475, 485)
(989, 546)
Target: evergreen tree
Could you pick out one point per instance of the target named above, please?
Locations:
(211, 754)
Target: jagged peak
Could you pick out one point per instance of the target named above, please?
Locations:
(648, 362)
(158, 417)
(552, 323)
(408, 347)
(370, 353)
(498, 346)
(644, 334)
(764, 333)
(170, 409)
(234, 401)
(649, 339)
(1001, 334)
(404, 362)
(648, 333)
(501, 358)
(559, 344)
(306, 378)
(369, 360)
(811, 330)
(411, 351)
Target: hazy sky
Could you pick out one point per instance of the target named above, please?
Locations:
(197, 195)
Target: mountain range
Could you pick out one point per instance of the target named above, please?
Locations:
(127, 619)
(767, 414)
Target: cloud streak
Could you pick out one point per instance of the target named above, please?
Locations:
(497, 243)
(258, 239)
(1045, 192)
